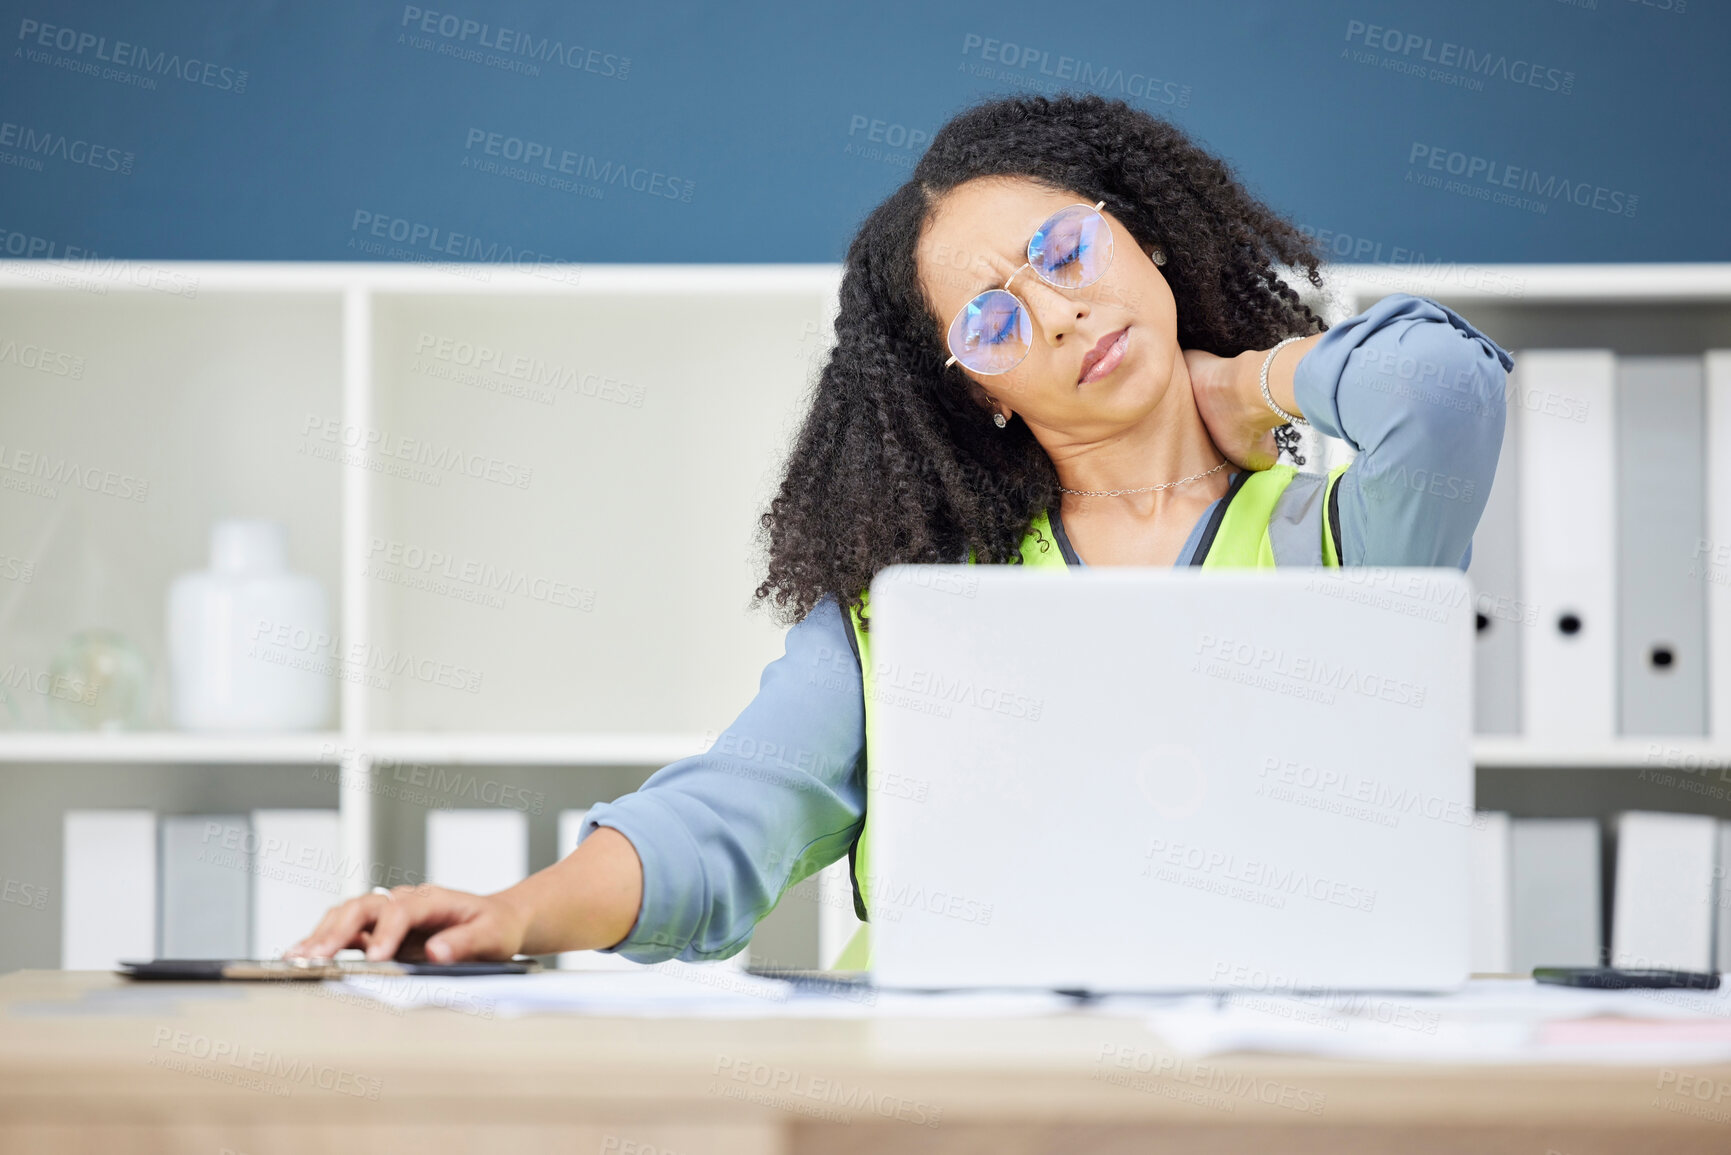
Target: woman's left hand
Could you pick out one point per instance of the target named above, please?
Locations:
(1232, 409)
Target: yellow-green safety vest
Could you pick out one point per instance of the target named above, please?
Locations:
(1272, 517)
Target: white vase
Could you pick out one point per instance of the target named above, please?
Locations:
(249, 643)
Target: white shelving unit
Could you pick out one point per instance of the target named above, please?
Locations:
(167, 748)
(648, 407)
(631, 419)
(433, 749)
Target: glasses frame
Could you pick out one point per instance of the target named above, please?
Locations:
(1023, 305)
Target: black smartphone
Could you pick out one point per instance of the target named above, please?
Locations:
(1617, 979)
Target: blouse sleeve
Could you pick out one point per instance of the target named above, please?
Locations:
(1421, 395)
(778, 797)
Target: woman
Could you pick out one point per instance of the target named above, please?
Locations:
(1069, 320)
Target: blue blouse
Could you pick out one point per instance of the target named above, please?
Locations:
(1412, 386)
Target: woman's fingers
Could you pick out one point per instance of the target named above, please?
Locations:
(303, 947)
(476, 938)
(392, 924)
(340, 927)
(308, 945)
(409, 920)
(411, 908)
(300, 949)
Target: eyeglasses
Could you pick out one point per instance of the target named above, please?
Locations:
(994, 331)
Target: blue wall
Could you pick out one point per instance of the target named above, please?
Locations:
(316, 129)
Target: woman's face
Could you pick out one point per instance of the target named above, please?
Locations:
(978, 235)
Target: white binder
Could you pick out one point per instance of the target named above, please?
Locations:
(297, 876)
(1554, 893)
(1502, 617)
(206, 894)
(836, 921)
(1568, 560)
(1712, 560)
(1661, 494)
(1722, 900)
(480, 851)
(1490, 889)
(108, 871)
(1662, 905)
(570, 830)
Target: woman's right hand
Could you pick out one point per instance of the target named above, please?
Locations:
(1240, 425)
(414, 922)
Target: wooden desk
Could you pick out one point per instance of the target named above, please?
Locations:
(91, 1062)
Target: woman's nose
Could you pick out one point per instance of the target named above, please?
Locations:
(1055, 311)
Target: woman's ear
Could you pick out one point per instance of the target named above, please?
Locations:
(988, 404)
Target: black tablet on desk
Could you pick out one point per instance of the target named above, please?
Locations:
(310, 968)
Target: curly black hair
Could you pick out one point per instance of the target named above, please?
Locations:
(897, 460)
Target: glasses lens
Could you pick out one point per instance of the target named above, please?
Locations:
(992, 333)
(1072, 248)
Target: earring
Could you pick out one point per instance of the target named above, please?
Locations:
(998, 420)
(1159, 256)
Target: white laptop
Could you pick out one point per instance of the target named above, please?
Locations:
(1134, 779)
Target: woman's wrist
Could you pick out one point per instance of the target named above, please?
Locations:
(1282, 379)
(517, 909)
(1247, 378)
(587, 901)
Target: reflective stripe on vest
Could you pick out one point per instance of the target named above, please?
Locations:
(1278, 517)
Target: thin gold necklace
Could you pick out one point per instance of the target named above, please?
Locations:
(1145, 488)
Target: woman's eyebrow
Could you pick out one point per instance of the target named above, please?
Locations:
(1020, 259)
(996, 284)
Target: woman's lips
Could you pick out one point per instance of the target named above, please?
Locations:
(1105, 356)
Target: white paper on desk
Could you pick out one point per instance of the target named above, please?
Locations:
(983, 1004)
(1512, 1021)
(698, 990)
(684, 990)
